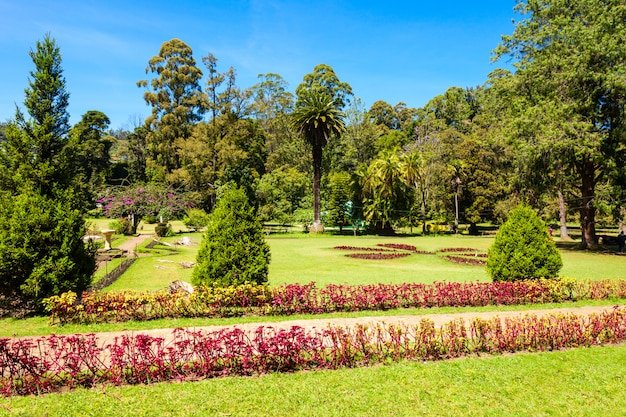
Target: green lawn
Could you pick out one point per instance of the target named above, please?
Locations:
(578, 382)
(300, 258)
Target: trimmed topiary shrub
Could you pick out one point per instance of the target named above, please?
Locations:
(523, 249)
(233, 250)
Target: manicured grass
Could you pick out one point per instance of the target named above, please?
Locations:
(39, 326)
(314, 259)
(578, 382)
(157, 267)
(300, 258)
(108, 267)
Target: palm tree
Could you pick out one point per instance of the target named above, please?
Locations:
(317, 118)
(384, 191)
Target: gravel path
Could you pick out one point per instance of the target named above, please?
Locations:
(439, 319)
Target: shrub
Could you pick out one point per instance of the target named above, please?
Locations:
(523, 249)
(121, 227)
(196, 219)
(233, 250)
(150, 219)
(163, 229)
(42, 252)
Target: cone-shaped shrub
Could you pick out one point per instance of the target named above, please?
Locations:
(523, 249)
(233, 250)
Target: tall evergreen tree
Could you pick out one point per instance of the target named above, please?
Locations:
(31, 157)
(177, 104)
(41, 226)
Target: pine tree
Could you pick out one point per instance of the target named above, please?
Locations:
(41, 225)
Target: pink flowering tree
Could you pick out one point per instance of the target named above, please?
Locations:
(135, 202)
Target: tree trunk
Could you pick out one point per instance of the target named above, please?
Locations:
(423, 213)
(317, 177)
(563, 217)
(587, 208)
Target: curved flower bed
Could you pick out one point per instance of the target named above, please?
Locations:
(400, 246)
(378, 256)
(459, 250)
(466, 260)
(251, 299)
(361, 248)
(52, 363)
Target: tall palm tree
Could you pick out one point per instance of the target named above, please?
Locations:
(317, 118)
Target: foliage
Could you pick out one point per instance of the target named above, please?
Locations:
(233, 250)
(163, 229)
(32, 156)
(88, 149)
(568, 94)
(41, 247)
(523, 249)
(340, 199)
(317, 118)
(177, 103)
(253, 299)
(280, 193)
(324, 80)
(134, 202)
(39, 365)
(385, 194)
(196, 219)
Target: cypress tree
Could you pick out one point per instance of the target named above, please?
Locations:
(523, 249)
(233, 250)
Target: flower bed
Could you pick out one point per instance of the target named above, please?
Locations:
(251, 299)
(49, 364)
(459, 250)
(400, 246)
(467, 260)
(377, 256)
(361, 248)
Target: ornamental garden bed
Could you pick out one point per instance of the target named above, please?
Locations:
(259, 300)
(378, 255)
(54, 363)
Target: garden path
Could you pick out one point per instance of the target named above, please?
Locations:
(410, 320)
(129, 246)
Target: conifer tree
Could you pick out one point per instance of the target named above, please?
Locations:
(233, 249)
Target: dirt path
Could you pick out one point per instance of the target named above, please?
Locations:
(439, 319)
(129, 246)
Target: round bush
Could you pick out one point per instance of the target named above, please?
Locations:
(523, 249)
(233, 250)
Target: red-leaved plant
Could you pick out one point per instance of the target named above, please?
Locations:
(249, 299)
(47, 364)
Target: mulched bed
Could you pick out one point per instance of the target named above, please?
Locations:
(376, 256)
(466, 260)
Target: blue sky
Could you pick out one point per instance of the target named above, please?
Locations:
(394, 51)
